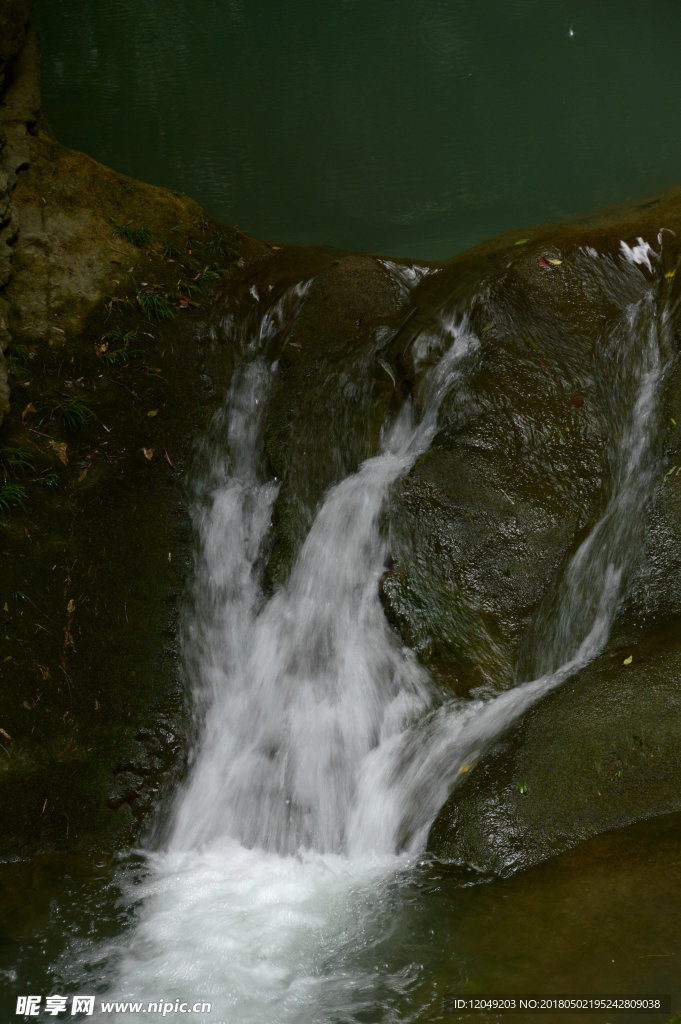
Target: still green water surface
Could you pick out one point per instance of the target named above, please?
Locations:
(404, 128)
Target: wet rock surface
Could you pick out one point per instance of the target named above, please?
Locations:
(19, 111)
(108, 366)
(600, 753)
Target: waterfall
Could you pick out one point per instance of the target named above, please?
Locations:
(325, 751)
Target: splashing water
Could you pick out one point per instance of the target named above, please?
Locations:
(325, 752)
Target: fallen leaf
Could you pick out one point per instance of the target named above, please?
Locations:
(148, 453)
(71, 607)
(152, 413)
(628, 661)
(542, 262)
(553, 261)
(29, 408)
(673, 420)
(5, 734)
(82, 476)
(465, 768)
(670, 273)
(670, 471)
(576, 401)
(521, 241)
(4, 607)
(488, 327)
(60, 450)
(166, 456)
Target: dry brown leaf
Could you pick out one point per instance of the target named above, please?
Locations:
(60, 449)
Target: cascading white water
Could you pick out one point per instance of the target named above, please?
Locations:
(321, 757)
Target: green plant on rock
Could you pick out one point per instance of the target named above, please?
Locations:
(48, 480)
(73, 413)
(156, 307)
(14, 461)
(11, 495)
(18, 357)
(138, 236)
(169, 250)
(219, 244)
(118, 347)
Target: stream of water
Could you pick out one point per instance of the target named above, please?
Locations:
(325, 751)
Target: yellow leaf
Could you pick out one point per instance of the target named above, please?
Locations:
(148, 453)
(29, 409)
(152, 413)
(673, 420)
(628, 661)
(521, 241)
(4, 607)
(465, 768)
(60, 450)
(670, 273)
(553, 261)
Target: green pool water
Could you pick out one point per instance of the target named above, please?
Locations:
(404, 128)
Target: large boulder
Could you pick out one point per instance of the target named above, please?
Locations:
(483, 525)
(601, 752)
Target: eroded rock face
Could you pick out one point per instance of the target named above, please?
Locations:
(486, 519)
(19, 109)
(598, 754)
(601, 751)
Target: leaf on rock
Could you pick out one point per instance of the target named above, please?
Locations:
(60, 449)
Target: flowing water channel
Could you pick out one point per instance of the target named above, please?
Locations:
(291, 882)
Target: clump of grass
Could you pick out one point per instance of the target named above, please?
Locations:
(156, 307)
(14, 461)
(11, 496)
(48, 480)
(203, 277)
(74, 413)
(118, 347)
(219, 245)
(18, 357)
(169, 250)
(139, 235)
